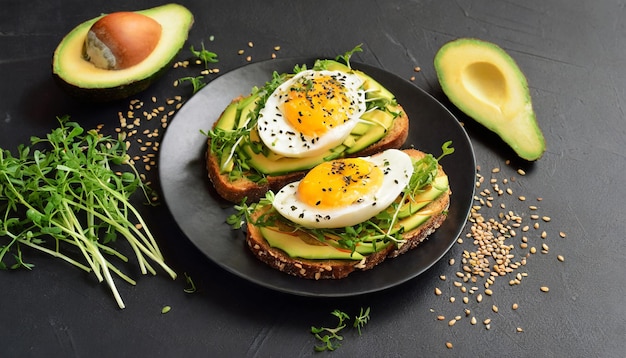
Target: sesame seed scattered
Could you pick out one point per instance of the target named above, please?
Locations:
(544, 289)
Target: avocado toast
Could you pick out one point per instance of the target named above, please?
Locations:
(241, 164)
(333, 253)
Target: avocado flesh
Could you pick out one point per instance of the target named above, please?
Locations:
(363, 135)
(484, 82)
(85, 81)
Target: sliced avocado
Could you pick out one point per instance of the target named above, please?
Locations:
(85, 81)
(366, 248)
(281, 165)
(246, 107)
(483, 81)
(361, 128)
(414, 220)
(437, 187)
(381, 122)
(228, 119)
(332, 65)
(296, 247)
(375, 89)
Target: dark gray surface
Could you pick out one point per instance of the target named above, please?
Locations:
(574, 57)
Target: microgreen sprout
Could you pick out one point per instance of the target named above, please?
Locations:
(204, 55)
(346, 57)
(196, 82)
(191, 287)
(331, 337)
(362, 319)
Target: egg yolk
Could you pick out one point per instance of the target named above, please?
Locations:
(339, 183)
(315, 105)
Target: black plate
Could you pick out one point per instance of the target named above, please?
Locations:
(200, 213)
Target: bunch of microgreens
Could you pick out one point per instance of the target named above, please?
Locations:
(67, 195)
(330, 337)
(225, 142)
(378, 229)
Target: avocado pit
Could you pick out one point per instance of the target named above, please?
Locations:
(121, 40)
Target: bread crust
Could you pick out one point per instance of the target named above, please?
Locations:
(235, 191)
(337, 269)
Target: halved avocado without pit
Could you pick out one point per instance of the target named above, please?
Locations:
(83, 80)
(484, 82)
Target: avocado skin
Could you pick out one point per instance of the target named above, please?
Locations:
(506, 110)
(93, 91)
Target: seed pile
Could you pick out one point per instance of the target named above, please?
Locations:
(497, 244)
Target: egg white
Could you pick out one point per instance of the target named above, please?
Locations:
(282, 138)
(397, 167)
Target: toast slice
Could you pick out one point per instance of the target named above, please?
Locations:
(235, 191)
(337, 269)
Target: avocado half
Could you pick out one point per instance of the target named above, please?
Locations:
(484, 82)
(81, 79)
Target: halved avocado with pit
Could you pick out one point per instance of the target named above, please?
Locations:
(83, 80)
